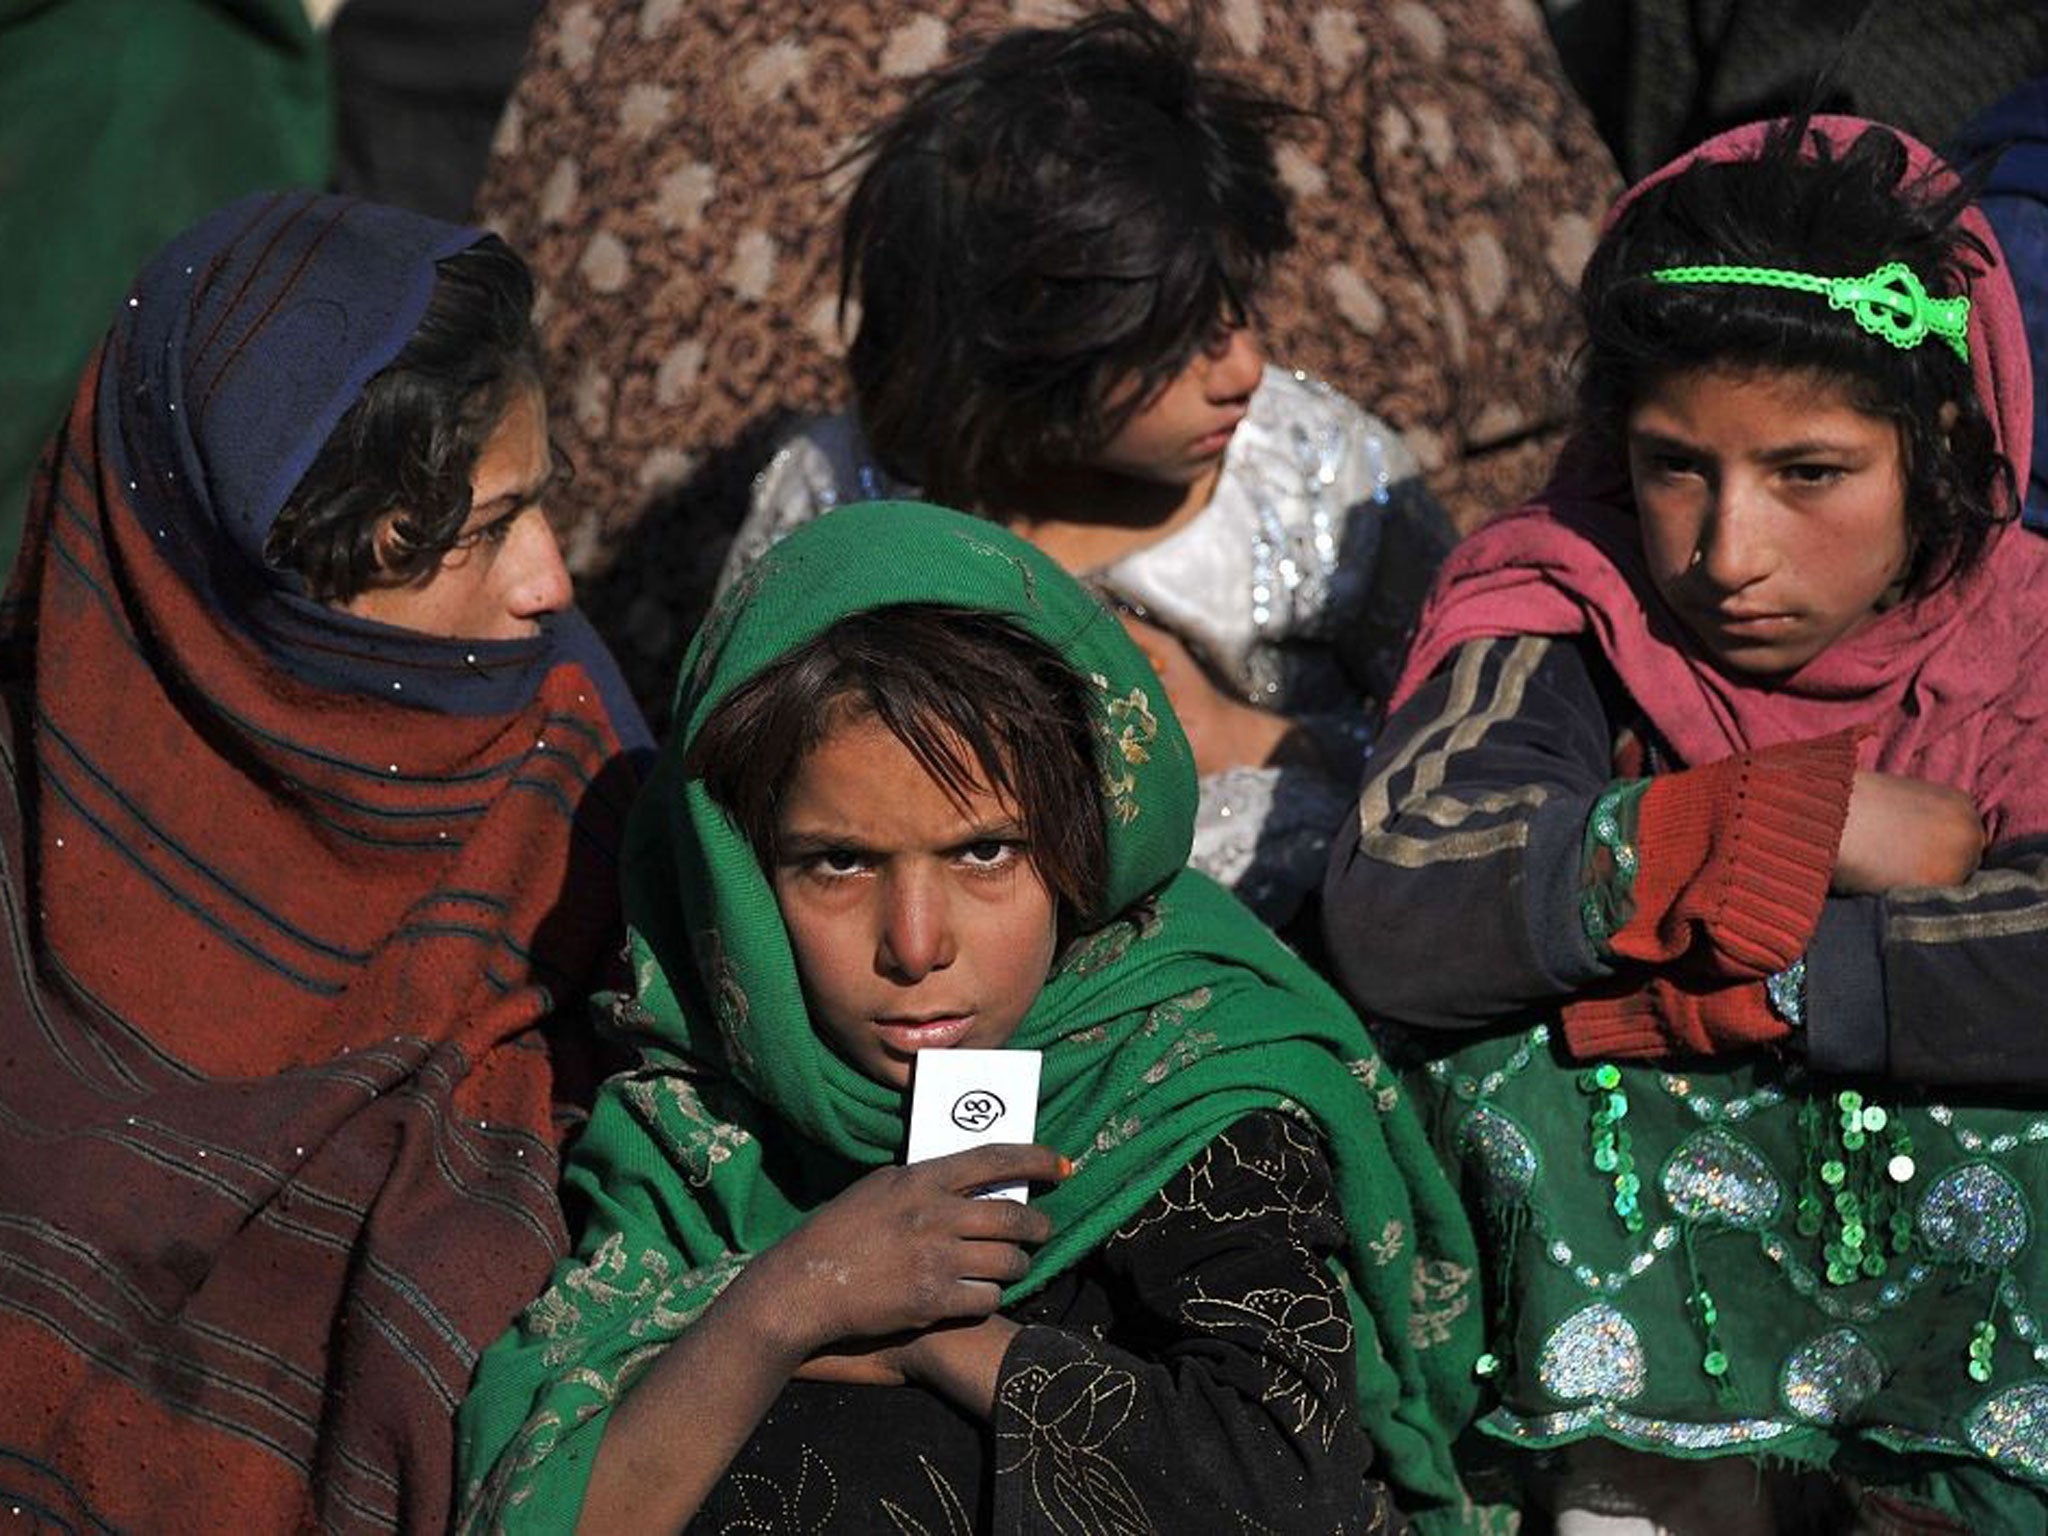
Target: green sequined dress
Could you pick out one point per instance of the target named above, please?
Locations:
(1736, 1262)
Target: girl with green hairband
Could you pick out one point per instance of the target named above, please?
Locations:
(923, 793)
(1725, 759)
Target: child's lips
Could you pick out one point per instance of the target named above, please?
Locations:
(926, 1032)
(1748, 621)
(1217, 440)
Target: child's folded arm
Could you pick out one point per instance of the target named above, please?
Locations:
(1730, 862)
(1958, 973)
(1454, 898)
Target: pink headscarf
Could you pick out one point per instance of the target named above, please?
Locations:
(1953, 684)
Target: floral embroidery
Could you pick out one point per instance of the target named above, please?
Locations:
(951, 1506)
(673, 1106)
(1117, 1132)
(1441, 1296)
(1388, 1245)
(728, 999)
(681, 1302)
(611, 1283)
(1287, 1183)
(1129, 727)
(1186, 1046)
(1109, 944)
(1385, 1094)
(1056, 1425)
(806, 1504)
(1305, 1339)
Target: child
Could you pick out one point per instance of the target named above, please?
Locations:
(314, 793)
(1699, 758)
(921, 796)
(1056, 251)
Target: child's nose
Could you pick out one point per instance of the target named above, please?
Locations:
(917, 934)
(1236, 364)
(539, 576)
(1734, 547)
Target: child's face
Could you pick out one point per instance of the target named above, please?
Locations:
(918, 923)
(1773, 512)
(506, 569)
(1180, 434)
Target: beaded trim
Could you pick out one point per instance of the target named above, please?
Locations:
(1891, 303)
(1607, 899)
(1786, 991)
(1552, 1429)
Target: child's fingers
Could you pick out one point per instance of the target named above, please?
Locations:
(1007, 1221)
(1003, 1263)
(968, 1298)
(999, 1163)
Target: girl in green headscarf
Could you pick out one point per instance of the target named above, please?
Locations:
(923, 793)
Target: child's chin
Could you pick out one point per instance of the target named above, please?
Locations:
(1761, 662)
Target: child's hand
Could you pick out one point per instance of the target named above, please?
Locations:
(903, 1248)
(1225, 732)
(855, 1365)
(913, 1357)
(1905, 831)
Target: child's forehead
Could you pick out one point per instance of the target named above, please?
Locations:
(853, 721)
(1802, 386)
(863, 770)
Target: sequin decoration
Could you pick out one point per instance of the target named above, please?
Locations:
(1631, 1429)
(1507, 1159)
(1827, 1378)
(2011, 1428)
(1975, 1213)
(1713, 1176)
(1594, 1353)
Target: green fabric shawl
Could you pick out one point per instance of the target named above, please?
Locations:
(1159, 1030)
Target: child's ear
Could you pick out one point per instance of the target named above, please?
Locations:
(1946, 419)
(388, 543)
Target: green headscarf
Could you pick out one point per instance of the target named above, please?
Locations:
(1159, 1031)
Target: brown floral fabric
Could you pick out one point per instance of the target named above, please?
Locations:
(668, 167)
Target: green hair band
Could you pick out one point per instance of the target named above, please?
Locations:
(1891, 302)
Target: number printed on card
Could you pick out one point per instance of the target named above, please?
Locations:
(965, 1098)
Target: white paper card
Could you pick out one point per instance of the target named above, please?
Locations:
(964, 1098)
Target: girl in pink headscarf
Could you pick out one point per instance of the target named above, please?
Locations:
(1722, 765)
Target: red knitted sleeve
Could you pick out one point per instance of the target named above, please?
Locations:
(1664, 1016)
(1733, 865)
(1735, 859)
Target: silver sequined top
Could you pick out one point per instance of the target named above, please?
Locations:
(1296, 587)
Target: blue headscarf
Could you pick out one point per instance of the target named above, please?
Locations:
(245, 341)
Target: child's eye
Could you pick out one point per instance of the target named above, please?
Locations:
(495, 532)
(834, 863)
(1670, 465)
(500, 529)
(1814, 474)
(990, 853)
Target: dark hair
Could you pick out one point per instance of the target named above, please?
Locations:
(1804, 205)
(940, 679)
(1059, 215)
(410, 441)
